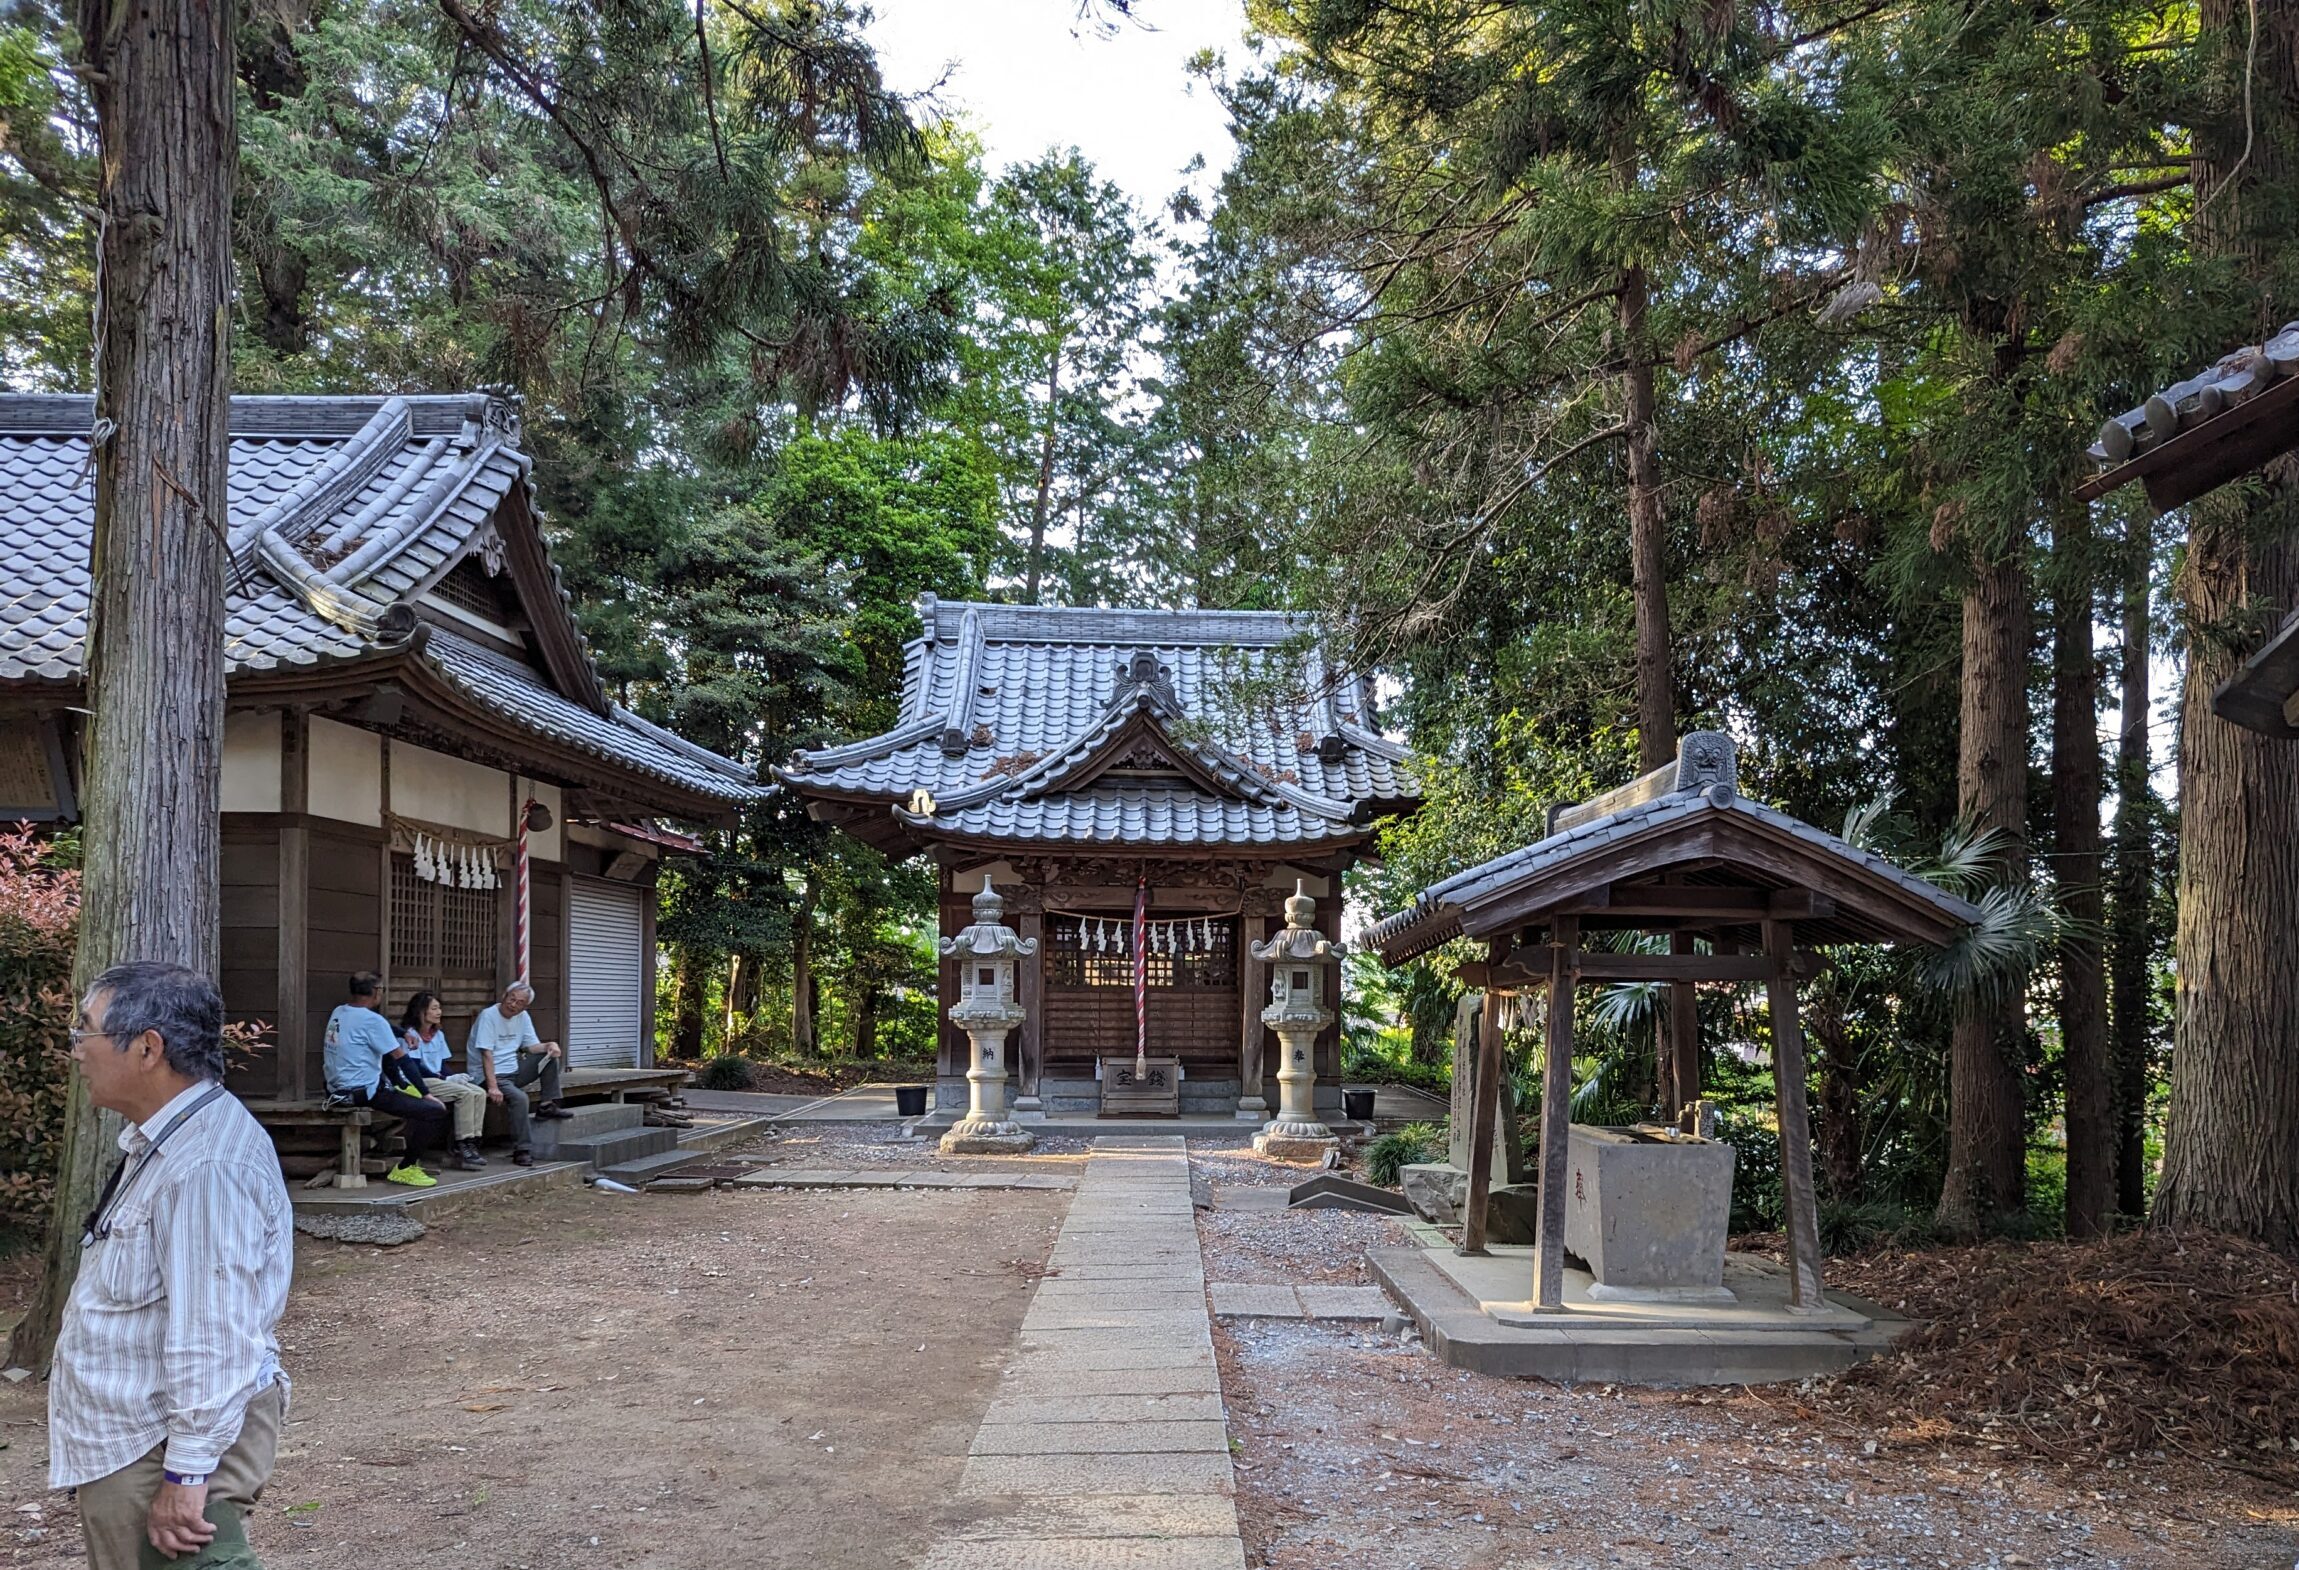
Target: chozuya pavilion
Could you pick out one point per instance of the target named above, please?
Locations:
(1135, 795)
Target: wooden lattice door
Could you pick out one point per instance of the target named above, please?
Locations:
(444, 939)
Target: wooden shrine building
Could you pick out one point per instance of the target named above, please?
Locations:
(1739, 890)
(409, 705)
(1078, 757)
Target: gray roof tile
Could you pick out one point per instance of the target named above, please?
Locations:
(1044, 679)
(377, 497)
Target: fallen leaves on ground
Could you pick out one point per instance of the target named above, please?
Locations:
(2082, 1352)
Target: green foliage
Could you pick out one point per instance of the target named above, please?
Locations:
(1388, 1156)
(39, 914)
(726, 1071)
(1756, 1201)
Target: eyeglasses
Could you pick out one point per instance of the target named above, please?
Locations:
(80, 1033)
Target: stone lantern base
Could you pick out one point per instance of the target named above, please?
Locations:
(969, 1137)
(1296, 1142)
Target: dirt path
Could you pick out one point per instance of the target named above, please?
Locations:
(654, 1382)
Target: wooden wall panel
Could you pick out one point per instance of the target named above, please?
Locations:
(343, 935)
(249, 972)
(547, 955)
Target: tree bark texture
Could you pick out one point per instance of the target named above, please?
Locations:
(1037, 563)
(802, 972)
(2231, 1139)
(2076, 783)
(1987, 1141)
(161, 77)
(2131, 938)
(1842, 1136)
(686, 1003)
(1647, 532)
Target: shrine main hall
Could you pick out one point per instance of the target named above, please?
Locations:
(1142, 786)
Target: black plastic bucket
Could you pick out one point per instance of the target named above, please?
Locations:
(910, 1100)
(1357, 1105)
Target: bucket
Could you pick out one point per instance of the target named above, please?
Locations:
(910, 1100)
(1357, 1105)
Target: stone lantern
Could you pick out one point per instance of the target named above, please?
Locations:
(986, 1010)
(1300, 959)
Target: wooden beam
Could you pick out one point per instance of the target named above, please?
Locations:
(1614, 901)
(1683, 1076)
(1594, 966)
(1556, 1118)
(292, 1030)
(1797, 1195)
(1484, 1111)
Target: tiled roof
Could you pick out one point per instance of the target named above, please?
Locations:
(1005, 709)
(341, 509)
(2235, 378)
(1449, 908)
(518, 693)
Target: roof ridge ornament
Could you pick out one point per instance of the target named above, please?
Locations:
(1141, 674)
(1706, 761)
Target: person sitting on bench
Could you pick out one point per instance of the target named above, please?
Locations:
(426, 1063)
(505, 1052)
(359, 1045)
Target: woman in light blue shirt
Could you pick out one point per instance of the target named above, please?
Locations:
(426, 1042)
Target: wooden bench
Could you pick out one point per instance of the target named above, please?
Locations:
(621, 1084)
(350, 1167)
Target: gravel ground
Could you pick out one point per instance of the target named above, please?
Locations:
(1358, 1449)
(856, 1145)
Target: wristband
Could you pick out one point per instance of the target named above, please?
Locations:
(184, 1479)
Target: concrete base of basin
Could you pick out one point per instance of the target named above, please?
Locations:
(1473, 1313)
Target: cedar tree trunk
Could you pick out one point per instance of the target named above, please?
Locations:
(2231, 1141)
(1987, 1143)
(2131, 940)
(2091, 1139)
(161, 79)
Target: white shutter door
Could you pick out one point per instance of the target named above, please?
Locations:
(603, 976)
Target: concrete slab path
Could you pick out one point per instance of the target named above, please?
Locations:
(1105, 1446)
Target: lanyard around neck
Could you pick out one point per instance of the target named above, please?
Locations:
(123, 1178)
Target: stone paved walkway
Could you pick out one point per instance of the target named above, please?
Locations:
(1105, 1447)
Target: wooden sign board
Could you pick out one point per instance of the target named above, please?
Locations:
(1155, 1092)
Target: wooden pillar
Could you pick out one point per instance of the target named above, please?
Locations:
(1253, 997)
(1028, 906)
(1797, 1197)
(1556, 1114)
(1484, 1112)
(1680, 1076)
(293, 1028)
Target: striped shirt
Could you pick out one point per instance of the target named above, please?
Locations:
(170, 1328)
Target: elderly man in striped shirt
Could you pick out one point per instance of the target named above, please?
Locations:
(165, 1402)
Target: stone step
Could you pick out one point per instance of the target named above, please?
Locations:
(636, 1171)
(610, 1149)
(584, 1125)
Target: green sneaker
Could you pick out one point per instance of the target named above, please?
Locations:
(412, 1176)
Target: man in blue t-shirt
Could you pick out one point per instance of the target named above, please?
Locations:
(361, 1069)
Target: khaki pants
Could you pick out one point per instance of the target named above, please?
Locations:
(114, 1510)
(467, 1101)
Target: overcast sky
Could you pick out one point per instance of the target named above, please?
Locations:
(1028, 75)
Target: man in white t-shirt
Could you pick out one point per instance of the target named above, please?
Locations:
(505, 1056)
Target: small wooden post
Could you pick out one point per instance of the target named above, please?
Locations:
(1683, 1076)
(1797, 1196)
(1556, 1114)
(1484, 1112)
(348, 1173)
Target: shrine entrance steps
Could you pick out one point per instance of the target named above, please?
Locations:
(1105, 1445)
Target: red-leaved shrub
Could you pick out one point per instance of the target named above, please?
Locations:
(39, 914)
